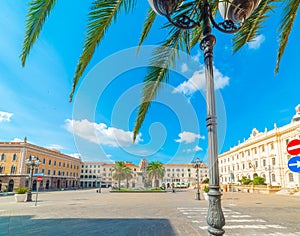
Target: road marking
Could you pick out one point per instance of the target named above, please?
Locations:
(248, 220)
(248, 227)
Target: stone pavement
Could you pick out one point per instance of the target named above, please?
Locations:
(85, 212)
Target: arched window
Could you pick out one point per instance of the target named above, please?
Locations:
(3, 157)
(291, 177)
(14, 158)
(1, 169)
(273, 178)
(44, 160)
(13, 169)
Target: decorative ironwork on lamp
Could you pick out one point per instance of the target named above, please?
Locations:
(234, 13)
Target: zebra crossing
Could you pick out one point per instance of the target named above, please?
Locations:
(236, 223)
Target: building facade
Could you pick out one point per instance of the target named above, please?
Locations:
(58, 170)
(96, 174)
(263, 154)
(183, 175)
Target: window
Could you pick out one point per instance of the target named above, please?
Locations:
(256, 164)
(286, 142)
(49, 162)
(3, 157)
(273, 178)
(59, 172)
(273, 161)
(59, 164)
(43, 171)
(49, 171)
(272, 146)
(64, 164)
(264, 162)
(1, 169)
(262, 148)
(55, 163)
(14, 157)
(54, 172)
(44, 160)
(291, 177)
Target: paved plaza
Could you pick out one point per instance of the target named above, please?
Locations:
(85, 212)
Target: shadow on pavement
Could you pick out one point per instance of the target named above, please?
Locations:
(27, 225)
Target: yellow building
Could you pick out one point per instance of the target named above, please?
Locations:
(59, 170)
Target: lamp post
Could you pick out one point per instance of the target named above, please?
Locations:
(235, 12)
(99, 183)
(32, 162)
(197, 164)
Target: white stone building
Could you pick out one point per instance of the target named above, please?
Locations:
(263, 154)
(183, 175)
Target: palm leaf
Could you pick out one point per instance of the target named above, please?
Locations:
(164, 57)
(290, 13)
(253, 24)
(102, 14)
(37, 14)
(147, 26)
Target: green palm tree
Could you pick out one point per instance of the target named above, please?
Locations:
(155, 171)
(103, 12)
(119, 172)
(128, 175)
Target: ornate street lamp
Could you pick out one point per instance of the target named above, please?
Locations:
(32, 162)
(234, 13)
(197, 164)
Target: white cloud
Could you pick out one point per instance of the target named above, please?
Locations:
(100, 133)
(55, 146)
(75, 155)
(197, 82)
(188, 137)
(5, 116)
(184, 68)
(257, 41)
(195, 149)
(18, 140)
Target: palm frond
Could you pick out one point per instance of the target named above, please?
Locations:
(164, 57)
(290, 13)
(102, 14)
(253, 24)
(36, 16)
(147, 26)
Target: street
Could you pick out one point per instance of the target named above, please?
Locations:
(85, 212)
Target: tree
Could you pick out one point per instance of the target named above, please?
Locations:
(244, 180)
(128, 175)
(259, 180)
(205, 181)
(119, 172)
(155, 171)
(103, 12)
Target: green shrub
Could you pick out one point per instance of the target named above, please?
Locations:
(259, 180)
(21, 190)
(245, 180)
(205, 181)
(206, 189)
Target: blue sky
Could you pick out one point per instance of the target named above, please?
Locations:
(34, 101)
